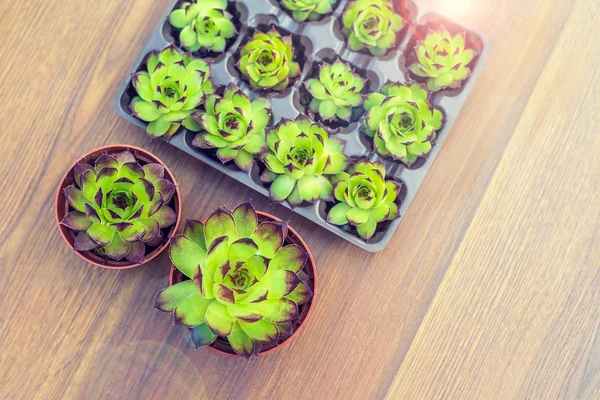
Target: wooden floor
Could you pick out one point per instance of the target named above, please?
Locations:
(489, 290)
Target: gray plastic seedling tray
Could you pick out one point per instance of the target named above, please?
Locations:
(317, 41)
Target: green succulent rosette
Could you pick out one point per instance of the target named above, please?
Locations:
(336, 92)
(301, 155)
(245, 284)
(233, 125)
(402, 122)
(267, 61)
(310, 10)
(118, 206)
(443, 60)
(171, 89)
(365, 198)
(371, 25)
(204, 24)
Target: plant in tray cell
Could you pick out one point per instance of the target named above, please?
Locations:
(364, 198)
(171, 89)
(336, 91)
(268, 61)
(311, 10)
(300, 157)
(443, 60)
(402, 122)
(118, 206)
(233, 125)
(245, 284)
(203, 24)
(371, 24)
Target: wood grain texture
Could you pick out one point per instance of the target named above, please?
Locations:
(490, 288)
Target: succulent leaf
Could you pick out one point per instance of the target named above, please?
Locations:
(364, 198)
(442, 60)
(170, 91)
(371, 24)
(242, 285)
(311, 10)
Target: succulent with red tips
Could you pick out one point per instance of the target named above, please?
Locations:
(119, 206)
(245, 284)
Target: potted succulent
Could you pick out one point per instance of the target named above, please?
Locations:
(234, 126)
(371, 25)
(204, 26)
(243, 282)
(300, 158)
(402, 122)
(364, 198)
(173, 86)
(267, 61)
(335, 93)
(308, 10)
(118, 206)
(442, 60)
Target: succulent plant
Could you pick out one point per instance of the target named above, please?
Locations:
(267, 61)
(336, 91)
(118, 206)
(300, 155)
(311, 10)
(234, 125)
(402, 122)
(371, 24)
(443, 60)
(245, 283)
(365, 198)
(171, 89)
(204, 25)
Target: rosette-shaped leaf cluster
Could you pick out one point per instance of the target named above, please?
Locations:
(267, 61)
(119, 206)
(234, 125)
(371, 24)
(205, 24)
(443, 60)
(171, 89)
(300, 156)
(245, 284)
(336, 91)
(311, 10)
(402, 122)
(365, 198)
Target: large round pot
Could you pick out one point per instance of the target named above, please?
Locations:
(221, 345)
(62, 207)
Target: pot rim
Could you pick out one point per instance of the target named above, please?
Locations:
(64, 231)
(309, 264)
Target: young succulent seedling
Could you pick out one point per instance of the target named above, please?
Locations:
(171, 89)
(371, 24)
(234, 125)
(443, 60)
(204, 25)
(336, 91)
(300, 157)
(118, 206)
(311, 10)
(267, 61)
(364, 197)
(245, 283)
(402, 122)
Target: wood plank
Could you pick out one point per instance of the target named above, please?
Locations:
(517, 314)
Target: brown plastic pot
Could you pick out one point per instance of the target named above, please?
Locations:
(62, 206)
(220, 345)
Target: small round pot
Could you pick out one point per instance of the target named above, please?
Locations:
(62, 206)
(220, 345)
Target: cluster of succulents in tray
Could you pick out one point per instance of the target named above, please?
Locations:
(225, 83)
